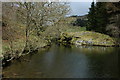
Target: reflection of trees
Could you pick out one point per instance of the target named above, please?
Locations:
(59, 61)
(104, 65)
(95, 49)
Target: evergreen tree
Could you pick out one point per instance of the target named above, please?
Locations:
(92, 17)
(101, 17)
(98, 17)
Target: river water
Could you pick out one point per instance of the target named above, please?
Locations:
(67, 62)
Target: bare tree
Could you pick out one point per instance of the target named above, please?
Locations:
(37, 15)
(34, 15)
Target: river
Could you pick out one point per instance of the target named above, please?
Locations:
(67, 62)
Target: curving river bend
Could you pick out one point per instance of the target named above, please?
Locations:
(67, 62)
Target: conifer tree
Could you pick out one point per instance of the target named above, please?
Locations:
(97, 17)
(92, 17)
(101, 17)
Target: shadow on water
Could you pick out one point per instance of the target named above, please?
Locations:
(65, 61)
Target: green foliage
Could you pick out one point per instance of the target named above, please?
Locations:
(54, 32)
(80, 22)
(97, 17)
(101, 17)
(92, 17)
(75, 29)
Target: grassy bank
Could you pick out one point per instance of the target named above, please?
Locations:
(87, 38)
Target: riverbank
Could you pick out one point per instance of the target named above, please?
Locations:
(88, 38)
(14, 42)
(18, 50)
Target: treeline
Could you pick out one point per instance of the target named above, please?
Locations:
(80, 21)
(104, 17)
(25, 24)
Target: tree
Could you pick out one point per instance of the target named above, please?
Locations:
(49, 14)
(101, 17)
(25, 15)
(98, 17)
(92, 18)
(80, 22)
(9, 29)
(34, 18)
(113, 27)
(38, 15)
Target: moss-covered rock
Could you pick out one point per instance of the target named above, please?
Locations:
(88, 38)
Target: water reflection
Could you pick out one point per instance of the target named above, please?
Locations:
(96, 49)
(68, 62)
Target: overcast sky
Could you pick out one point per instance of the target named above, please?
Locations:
(79, 8)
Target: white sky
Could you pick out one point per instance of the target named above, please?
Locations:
(79, 8)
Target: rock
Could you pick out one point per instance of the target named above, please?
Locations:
(80, 41)
(89, 42)
(88, 38)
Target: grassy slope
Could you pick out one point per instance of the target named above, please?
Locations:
(88, 36)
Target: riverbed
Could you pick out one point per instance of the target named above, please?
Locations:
(60, 61)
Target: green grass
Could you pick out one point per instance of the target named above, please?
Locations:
(96, 38)
(76, 29)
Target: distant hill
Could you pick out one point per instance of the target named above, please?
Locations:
(80, 17)
(77, 20)
(74, 18)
